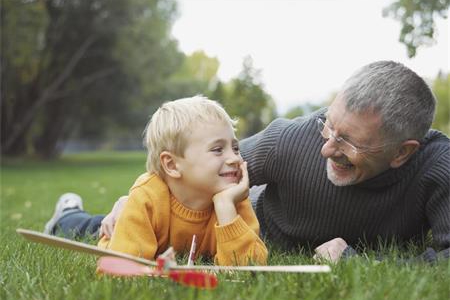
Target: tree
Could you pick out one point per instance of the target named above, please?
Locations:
(76, 65)
(196, 75)
(417, 19)
(302, 110)
(244, 97)
(441, 86)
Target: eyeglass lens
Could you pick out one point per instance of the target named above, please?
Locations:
(327, 133)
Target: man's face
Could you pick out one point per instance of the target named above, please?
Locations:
(361, 130)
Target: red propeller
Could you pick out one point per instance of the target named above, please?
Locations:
(124, 267)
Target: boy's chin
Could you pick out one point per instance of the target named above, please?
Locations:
(225, 186)
(230, 180)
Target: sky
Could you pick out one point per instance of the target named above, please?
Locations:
(305, 49)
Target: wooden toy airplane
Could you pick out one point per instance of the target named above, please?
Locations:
(121, 264)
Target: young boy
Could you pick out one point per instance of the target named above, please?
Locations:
(196, 184)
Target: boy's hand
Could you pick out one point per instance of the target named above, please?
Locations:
(108, 222)
(225, 201)
(238, 191)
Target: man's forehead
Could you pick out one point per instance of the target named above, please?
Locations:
(339, 109)
(360, 125)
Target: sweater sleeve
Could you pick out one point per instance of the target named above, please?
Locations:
(438, 205)
(238, 243)
(259, 151)
(134, 233)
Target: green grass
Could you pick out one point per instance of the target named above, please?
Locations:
(29, 190)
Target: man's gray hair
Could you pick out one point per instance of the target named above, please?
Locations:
(401, 97)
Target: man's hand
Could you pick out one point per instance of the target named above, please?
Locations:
(331, 250)
(108, 222)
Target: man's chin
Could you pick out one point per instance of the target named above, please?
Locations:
(339, 180)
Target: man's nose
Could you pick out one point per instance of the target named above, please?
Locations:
(330, 148)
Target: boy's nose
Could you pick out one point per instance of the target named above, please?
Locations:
(233, 158)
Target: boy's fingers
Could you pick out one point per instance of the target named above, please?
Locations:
(108, 231)
(244, 172)
(103, 231)
(107, 226)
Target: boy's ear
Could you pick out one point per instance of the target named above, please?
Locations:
(169, 164)
(405, 151)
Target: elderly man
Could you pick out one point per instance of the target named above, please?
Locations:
(366, 169)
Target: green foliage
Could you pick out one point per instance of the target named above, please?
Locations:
(302, 110)
(32, 271)
(81, 66)
(294, 112)
(244, 98)
(147, 51)
(417, 19)
(199, 66)
(440, 87)
(25, 28)
(195, 76)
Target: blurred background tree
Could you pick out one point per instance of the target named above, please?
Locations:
(417, 18)
(244, 98)
(440, 87)
(96, 70)
(302, 110)
(81, 66)
(196, 75)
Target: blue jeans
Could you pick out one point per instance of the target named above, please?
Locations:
(78, 224)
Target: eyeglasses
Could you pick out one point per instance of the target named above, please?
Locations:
(345, 146)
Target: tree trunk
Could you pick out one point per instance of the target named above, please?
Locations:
(14, 120)
(56, 127)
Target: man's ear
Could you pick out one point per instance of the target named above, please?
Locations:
(405, 151)
(169, 164)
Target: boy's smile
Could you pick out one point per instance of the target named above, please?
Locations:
(232, 175)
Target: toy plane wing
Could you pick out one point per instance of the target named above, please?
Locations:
(90, 249)
(59, 242)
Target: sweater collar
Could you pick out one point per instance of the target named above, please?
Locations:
(390, 176)
(189, 214)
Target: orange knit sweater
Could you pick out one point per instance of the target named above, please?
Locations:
(152, 220)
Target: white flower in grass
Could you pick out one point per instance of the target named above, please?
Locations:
(16, 216)
(10, 191)
(95, 184)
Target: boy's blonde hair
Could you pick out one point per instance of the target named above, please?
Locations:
(166, 130)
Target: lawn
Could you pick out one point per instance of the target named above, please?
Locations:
(29, 190)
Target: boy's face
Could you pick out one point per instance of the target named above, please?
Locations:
(211, 159)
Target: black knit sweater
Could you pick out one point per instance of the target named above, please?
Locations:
(301, 207)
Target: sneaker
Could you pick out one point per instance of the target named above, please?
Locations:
(67, 203)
